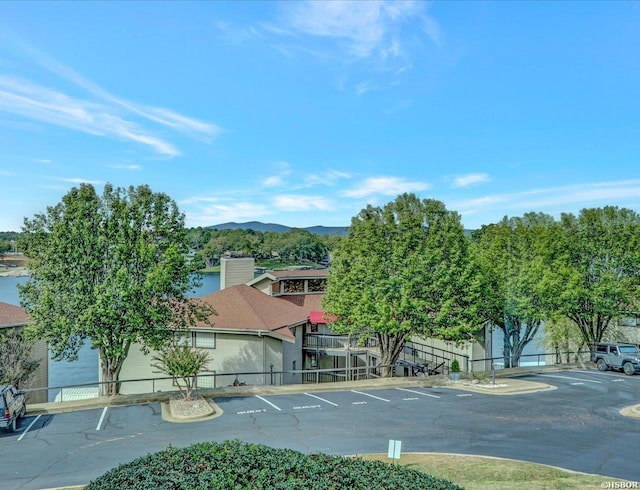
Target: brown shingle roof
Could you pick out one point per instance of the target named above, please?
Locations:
(12, 316)
(245, 308)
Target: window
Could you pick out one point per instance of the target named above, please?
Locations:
(317, 285)
(205, 340)
(628, 349)
(183, 338)
(294, 286)
(314, 327)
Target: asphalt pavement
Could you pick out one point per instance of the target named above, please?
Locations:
(565, 418)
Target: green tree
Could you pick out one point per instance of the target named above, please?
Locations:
(183, 363)
(16, 359)
(109, 269)
(513, 254)
(598, 276)
(405, 269)
(299, 244)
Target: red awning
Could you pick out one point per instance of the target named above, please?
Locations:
(318, 317)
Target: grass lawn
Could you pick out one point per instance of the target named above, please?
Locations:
(480, 473)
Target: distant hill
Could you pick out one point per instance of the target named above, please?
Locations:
(263, 227)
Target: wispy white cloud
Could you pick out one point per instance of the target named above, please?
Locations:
(43, 160)
(237, 35)
(32, 101)
(104, 114)
(159, 115)
(298, 180)
(132, 166)
(387, 186)
(553, 200)
(273, 181)
(470, 179)
(302, 203)
(371, 29)
(222, 211)
(364, 87)
(328, 178)
(79, 180)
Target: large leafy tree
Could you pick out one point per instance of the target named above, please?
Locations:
(404, 269)
(111, 269)
(514, 255)
(598, 277)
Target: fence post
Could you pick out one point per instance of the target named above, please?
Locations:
(271, 374)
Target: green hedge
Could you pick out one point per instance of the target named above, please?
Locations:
(238, 465)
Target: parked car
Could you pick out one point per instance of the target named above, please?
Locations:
(12, 407)
(625, 357)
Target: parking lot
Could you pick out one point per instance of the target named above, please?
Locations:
(576, 426)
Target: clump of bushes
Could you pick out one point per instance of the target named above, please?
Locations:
(239, 465)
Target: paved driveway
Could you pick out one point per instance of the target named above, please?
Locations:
(577, 426)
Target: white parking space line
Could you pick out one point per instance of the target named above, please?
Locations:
(598, 373)
(27, 429)
(267, 401)
(418, 392)
(372, 396)
(104, 412)
(322, 399)
(569, 377)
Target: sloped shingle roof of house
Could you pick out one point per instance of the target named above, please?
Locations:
(245, 308)
(12, 316)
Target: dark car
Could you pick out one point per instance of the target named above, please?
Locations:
(12, 407)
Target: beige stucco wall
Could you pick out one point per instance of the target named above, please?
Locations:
(264, 285)
(234, 353)
(292, 353)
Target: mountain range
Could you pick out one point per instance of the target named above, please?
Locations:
(264, 227)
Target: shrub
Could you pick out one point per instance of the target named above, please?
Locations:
(455, 366)
(239, 465)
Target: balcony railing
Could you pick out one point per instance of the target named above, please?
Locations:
(312, 341)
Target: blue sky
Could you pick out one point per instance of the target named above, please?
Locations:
(302, 113)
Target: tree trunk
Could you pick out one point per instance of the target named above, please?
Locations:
(390, 348)
(506, 348)
(515, 339)
(110, 368)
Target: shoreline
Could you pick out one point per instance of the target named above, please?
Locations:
(14, 272)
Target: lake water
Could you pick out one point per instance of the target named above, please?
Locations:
(85, 368)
